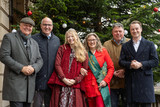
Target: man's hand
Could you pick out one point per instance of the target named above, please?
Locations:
(135, 64)
(119, 73)
(31, 69)
(28, 70)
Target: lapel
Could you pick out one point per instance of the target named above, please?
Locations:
(131, 48)
(141, 47)
(30, 49)
(20, 41)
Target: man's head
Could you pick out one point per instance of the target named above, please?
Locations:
(26, 25)
(117, 32)
(136, 29)
(46, 25)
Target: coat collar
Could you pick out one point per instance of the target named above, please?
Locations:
(140, 48)
(43, 35)
(19, 38)
(121, 42)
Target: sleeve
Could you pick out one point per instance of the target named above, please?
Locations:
(5, 55)
(39, 62)
(122, 59)
(110, 67)
(58, 60)
(85, 66)
(153, 58)
(106, 45)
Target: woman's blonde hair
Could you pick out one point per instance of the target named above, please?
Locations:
(98, 45)
(80, 52)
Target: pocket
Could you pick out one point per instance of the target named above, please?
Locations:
(14, 75)
(148, 72)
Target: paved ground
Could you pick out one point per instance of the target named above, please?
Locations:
(157, 88)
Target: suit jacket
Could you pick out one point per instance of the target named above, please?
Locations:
(13, 53)
(139, 82)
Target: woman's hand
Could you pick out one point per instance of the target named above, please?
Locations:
(102, 84)
(72, 81)
(83, 71)
(69, 82)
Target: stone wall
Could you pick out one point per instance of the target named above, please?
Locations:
(4, 28)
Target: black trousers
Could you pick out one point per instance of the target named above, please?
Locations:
(139, 105)
(41, 97)
(19, 104)
(117, 96)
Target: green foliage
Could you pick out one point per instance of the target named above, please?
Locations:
(16, 27)
(62, 38)
(86, 16)
(156, 76)
(104, 37)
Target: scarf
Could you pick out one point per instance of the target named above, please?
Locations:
(27, 42)
(100, 74)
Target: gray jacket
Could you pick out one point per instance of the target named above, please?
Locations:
(13, 53)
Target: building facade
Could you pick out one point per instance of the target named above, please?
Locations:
(11, 11)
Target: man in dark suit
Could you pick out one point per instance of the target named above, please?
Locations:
(22, 59)
(139, 56)
(48, 45)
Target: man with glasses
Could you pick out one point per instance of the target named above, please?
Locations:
(113, 47)
(48, 45)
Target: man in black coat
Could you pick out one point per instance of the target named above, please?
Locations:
(139, 56)
(48, 45)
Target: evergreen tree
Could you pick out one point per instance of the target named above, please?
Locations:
(99, 15)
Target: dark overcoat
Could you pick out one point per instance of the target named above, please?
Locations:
(139, 82)
(48, 49)
(13, 53)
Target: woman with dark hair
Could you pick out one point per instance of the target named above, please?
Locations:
(66, 81)
(100, 72)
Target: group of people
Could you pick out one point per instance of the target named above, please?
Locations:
(40, 70)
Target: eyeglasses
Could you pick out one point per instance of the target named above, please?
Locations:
(90, 40)
(47, 25)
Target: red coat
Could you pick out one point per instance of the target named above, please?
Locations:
(62, 69)
(91, 86)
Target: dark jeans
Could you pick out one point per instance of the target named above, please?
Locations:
(41, 97)
(139, 105)
(118, 98)
(19, 104)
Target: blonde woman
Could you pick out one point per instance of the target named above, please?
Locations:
(100, 72)
(66, 82)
